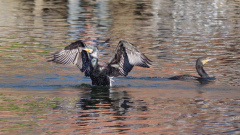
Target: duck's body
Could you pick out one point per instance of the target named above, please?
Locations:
(199, 67)
(125, 57)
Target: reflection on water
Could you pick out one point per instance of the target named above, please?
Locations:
(101, 110)
(173, 34)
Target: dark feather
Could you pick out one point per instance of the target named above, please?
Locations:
(125, 57)
(73, 54)
(75, 45)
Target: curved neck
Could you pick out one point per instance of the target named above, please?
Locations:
(94, 63)
(201, 71)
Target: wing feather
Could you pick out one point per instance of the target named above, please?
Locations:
(72, 54)
(126, 56)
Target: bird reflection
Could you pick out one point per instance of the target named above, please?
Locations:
(103, 107)
(100, 97)
(205, 81)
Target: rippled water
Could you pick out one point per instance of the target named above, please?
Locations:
(173, 34)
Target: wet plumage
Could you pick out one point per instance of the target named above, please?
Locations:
(125, 57)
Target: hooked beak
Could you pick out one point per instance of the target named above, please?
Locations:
(88, 50)
(207, 60)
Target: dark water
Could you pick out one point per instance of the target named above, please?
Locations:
(173, 34)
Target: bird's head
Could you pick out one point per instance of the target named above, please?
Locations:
(207, 59)
(204, 60)
(199, 66)
(89, 50)
(92, 50)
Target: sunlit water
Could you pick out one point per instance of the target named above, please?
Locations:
(173, 34)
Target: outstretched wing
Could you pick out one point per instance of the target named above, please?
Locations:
(125, 57)
(73, 54)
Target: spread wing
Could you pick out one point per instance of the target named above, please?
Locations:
(125, 57)
(73, 54)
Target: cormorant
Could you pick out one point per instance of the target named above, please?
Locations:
(125, 57)
(199, 67)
